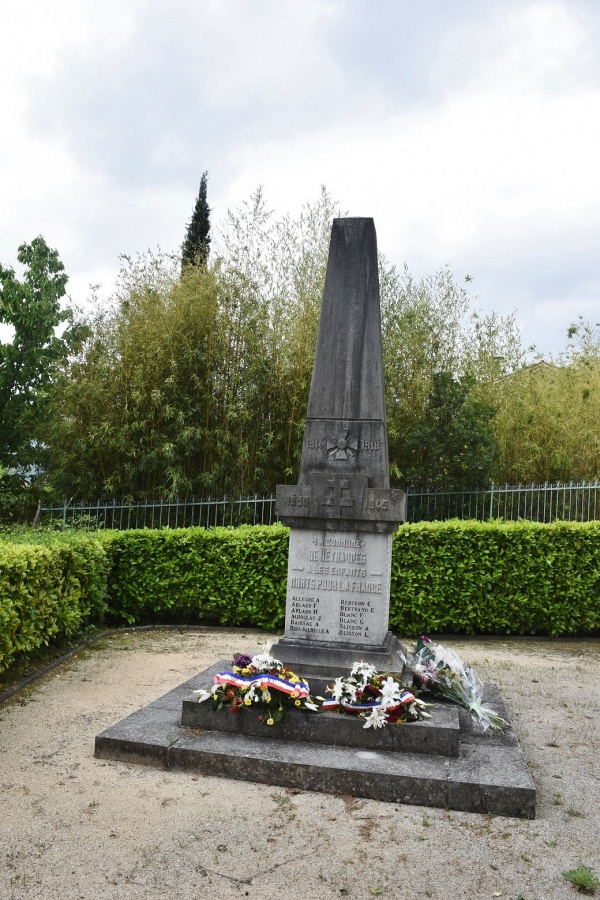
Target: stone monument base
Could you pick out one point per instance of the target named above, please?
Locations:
(331, 659)
(440, 762)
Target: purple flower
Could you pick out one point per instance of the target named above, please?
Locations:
(242, 660)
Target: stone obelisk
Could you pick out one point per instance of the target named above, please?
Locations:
(342, 512)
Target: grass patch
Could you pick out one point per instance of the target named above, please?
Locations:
(583, 879)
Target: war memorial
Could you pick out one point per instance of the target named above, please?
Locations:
(341, 514)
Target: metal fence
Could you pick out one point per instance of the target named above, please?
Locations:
(573, 502)
(207, 513)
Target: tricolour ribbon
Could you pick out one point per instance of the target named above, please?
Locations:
(299, 690)
(406, 697)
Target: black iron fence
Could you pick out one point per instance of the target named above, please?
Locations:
(574, 502)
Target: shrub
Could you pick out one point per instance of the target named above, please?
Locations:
(50, 586)
(458, 577)
(496, 578)
(222, 576)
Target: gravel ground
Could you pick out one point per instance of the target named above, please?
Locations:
(72, 826)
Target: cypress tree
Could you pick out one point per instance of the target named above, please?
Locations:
(194, 250)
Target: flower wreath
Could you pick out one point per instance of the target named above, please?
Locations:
(259, 682)
(376, 697)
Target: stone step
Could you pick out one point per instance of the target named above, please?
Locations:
(439, 735)
(328, 660)
(485, 779)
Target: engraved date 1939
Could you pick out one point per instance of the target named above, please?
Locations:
(297, 500)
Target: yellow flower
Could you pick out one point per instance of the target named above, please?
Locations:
(270, 721)
(294, 694)
(247, 701)
(298, 703)
(215, 697)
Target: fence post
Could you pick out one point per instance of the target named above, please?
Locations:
(492, 500)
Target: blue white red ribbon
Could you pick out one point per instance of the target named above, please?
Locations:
(406, 698)
(300, 689)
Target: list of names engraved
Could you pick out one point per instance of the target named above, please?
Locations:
(338, 586)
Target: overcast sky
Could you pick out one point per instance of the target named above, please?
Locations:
(469, 130)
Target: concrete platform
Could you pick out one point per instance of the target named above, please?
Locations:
(440, 763)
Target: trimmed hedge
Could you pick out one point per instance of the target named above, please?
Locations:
(49, 588)
(496, 578)
(457, 577)
(221, 576)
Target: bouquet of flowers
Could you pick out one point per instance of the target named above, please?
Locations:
(259, 682)
(377, 698)
(437, 669)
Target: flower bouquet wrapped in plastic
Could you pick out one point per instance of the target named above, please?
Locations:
(262, 683)
(377, 698)
(438, 669)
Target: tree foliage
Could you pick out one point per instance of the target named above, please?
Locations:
(548, 421)
(434, 337)
(28, 361)
(43, 336)
(454, 447)
(196, 245)
(196, 381)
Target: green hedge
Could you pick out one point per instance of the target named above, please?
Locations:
(222, 576)
(50, 587)
(457, 577)
(461, 577)
(496, 578)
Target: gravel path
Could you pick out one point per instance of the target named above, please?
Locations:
(72, 826)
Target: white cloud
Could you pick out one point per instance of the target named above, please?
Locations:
(111, 113)
(507, 163)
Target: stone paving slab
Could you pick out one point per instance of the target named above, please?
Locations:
(489, 774)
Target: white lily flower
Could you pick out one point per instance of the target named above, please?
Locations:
(390, 690)
(202, 695)
(262, 662)
(351, 693)
(364, 671)
(337, 692)
(376, 718)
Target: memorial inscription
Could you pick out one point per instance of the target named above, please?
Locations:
(338, 586)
